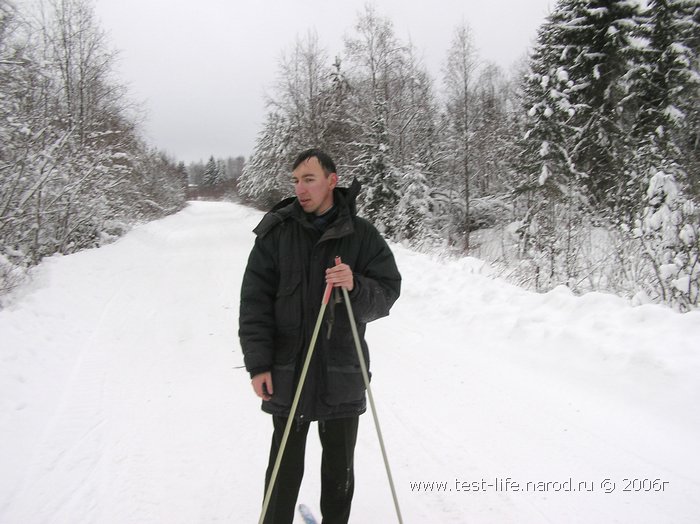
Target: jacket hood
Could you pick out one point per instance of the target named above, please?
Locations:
(345, 197)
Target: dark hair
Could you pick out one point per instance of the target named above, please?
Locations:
(323, 158)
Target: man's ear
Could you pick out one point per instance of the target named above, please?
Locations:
(333, 180)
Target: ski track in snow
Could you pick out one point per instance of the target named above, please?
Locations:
(122, 398)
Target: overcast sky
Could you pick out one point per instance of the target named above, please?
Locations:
(201, 67)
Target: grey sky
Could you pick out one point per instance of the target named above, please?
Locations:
(201, 67)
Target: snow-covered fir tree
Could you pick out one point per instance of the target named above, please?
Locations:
(339, 127)
(212, 175)
(665, 87)
(375, 170)
(575, 96)
(601, 121)
(414, 206)
(265, 177)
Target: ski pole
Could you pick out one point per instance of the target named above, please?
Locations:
(297, 395)
(365, 376)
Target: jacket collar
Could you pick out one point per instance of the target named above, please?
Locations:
(289, 208)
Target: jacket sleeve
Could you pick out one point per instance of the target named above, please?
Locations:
(256, 322)
(377, 282)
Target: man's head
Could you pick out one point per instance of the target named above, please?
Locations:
(314, 178)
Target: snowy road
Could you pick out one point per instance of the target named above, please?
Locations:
(122, 399)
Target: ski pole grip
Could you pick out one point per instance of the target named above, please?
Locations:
(327, 293)
(329, 287)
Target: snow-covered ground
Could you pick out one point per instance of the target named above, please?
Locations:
(122, 398)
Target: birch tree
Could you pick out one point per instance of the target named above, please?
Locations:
(460, 76)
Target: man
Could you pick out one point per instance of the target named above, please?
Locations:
(291, 262)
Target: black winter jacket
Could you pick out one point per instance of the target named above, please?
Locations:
(281, 296)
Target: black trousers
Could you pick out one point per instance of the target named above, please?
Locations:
(338, 437)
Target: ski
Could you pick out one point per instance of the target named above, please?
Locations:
(306, 514)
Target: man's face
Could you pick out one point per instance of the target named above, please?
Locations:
(312, 187)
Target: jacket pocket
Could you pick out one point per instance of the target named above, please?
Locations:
(288, 302)
(283, 385)
(344, 385)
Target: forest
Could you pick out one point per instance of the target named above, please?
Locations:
(75, 171)
(578, 168)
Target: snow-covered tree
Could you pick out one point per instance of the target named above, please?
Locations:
(414, 206)
(375, 55)
(265, 178)
(301, 92)
(212, 175)
(393, 117)
(374, 168)
(669, 230)
(575, 98)
(492, 138)
(460, 75)
(574, 152)
(665, 86)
